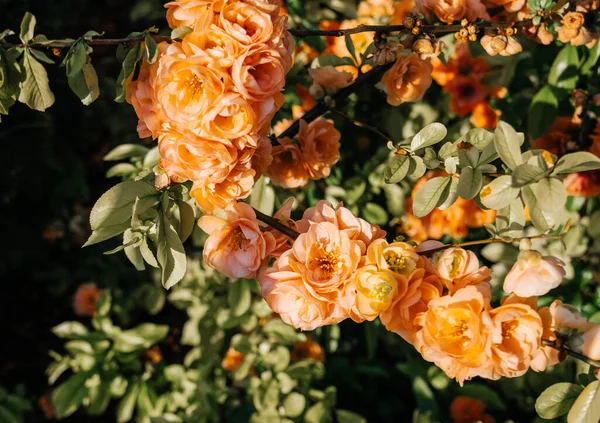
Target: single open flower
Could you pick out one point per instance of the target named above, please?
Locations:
(534, 275)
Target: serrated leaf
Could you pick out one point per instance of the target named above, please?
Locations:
(507, 144)
(586, 408)
(580, 161)
(542, 111)
(41, 56)
(551, 194)
(106, 232)
(429, 195)
(27, 27)
(526, 174)
(429, 135)
(35, 89)
(470, 183)
(499, 193)
(396, 169)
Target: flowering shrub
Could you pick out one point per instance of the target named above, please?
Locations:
(412, 168)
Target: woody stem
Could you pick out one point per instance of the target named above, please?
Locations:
(570, 352)
(276, 224)
(489, 241)
(360, 124)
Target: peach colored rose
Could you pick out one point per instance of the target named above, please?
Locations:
(262, 157)
(215, 43)
(141, 95)
(228, 118)
(500, 44)
(187, 157)
(459, 268)
(373, 292)
(509, 5)
(187, 87)
(449, 11)
(320, 144)
(533, 275)
(287, 168)
(466, 93)
(213, 197)
(192, 13)
(361, 40)
(376, 8)
(356, 228)
(407, 80)
(455, 334)
(539, 33)
(328, 79)
(400, 316)
(85, 299)
(591, 342)
(236, 246)
(259, 73)
(246, 23)
(397, 257)
(517, 337)
(283, 242)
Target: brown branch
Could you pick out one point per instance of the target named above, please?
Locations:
(360, 124)
(488, 241)
(568, 351)
(276, 224)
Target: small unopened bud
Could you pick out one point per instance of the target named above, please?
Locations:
(464, 23)
(525, 244)
(409, 22)
(161, 179)
(579, 97)
(423, 46)
(499, 43)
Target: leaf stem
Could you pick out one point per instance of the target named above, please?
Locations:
(360, 124)
(276, 224)
(489, 241)
(574, 354)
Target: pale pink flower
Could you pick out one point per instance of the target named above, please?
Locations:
(534, 275)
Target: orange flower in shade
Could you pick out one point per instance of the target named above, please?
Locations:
(585, 184)
(458, 268)
(461, 63)
(484, 116)
(376, 8)
(236, 246)
(328, 79)
(503, 45)
(454, 221)
(467, 92)
(449, 11)
(572, 30)
(212, 197)
(45, 404)
(563, 130)
(232, 360)
(287, 169)
(320, 143)
(407, 80)
(401, 11)
(465, 409)
(455, 334)
(307, 349)
(591, 342)
(509, 5)
(85, 299)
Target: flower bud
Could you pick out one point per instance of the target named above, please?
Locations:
(591, 342)
(579, 97)
(409, 22)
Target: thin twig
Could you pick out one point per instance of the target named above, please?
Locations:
(360, 124)
(276, 224)
(570, 352)
(488, 241)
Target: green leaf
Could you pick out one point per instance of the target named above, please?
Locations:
(35, 89)
(479, 138)
(450, 195)
(41, 56)
(263, 197)
(318, 413)
(70, 330)
(487, 395)
(127, 404)
(535, 212)
(115, 206)
(564, 71)
(470, 183)
(127, 70)
(350, 47)
(424, 395)
(180, 32)
(332, 60)
(279, 330)
(171, 254)
(141, 337)
(186, 216)
(542, 111)
(99, 399)
(239, 297)
(510, 220)
(106, 232)
(345, 416)
(294, 404)
(591, 60)
(121, 170)
(551, 194)
(396, 169)
(429, 135)
(508, 145)
(586, 408)
(151, 49)
(375, 214)
(126, 151)
(428, 197)
(526, 174)
(85, 84)
(7, 416)
(27, 27)
(68, 397)
(499, 193)
(576, 162)
(9, 80)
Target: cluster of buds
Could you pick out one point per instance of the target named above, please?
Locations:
(427, 47)
(504, 43)
(387, 49)
(580, 98)
(467, 33)
(413, 23)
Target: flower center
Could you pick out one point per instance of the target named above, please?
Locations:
(195, 85)
(237, 238)
(327, 261)
(508, 328)
(381, 291)
(396, 262)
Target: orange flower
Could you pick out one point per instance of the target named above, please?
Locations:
(236, 246)
(85, 299)
(461, 63)
(400, 316)
(533, 275)
(401, 10)
(484, 116)
(509, 5)
(328, 79)
(449, 11)
(591, 342)
(320, 143)
(212, 197)
(563, 130)
(465, 409)
(282, 242)
(308, 349)
(407, 80)
(262, 157)
(361, 40)
(584, 184)
(466, 93)
(376, 8)
(45, 404)
(232, 360)
(455, 334)
(458, 268)
(287, 168)
(573, 30)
